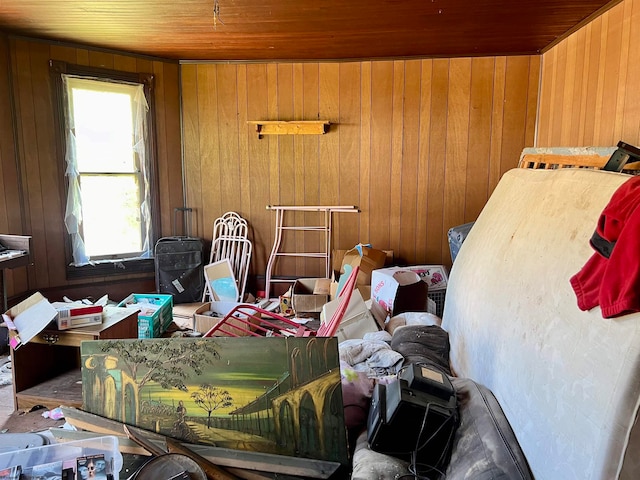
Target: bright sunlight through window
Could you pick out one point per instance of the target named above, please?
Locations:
(102, 121)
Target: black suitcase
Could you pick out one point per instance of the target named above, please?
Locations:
(179, 262)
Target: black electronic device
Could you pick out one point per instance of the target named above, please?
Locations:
(623, 154)
(415, 413)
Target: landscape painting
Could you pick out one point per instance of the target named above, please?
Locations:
(279, 395)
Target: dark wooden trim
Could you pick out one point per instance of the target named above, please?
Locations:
(57, 68)
(152, 145)
(94, 48)
(106, 268)
(116, 288)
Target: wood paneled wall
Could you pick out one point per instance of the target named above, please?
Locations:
(11, 205)
(32, 182)
(590, 92)
(417, 145)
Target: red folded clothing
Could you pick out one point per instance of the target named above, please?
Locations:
(611, 277)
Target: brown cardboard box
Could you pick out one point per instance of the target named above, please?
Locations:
(184, 313)
(203, 322)
(337, 256)
(368, 259)
(305, 300)
(365, 291)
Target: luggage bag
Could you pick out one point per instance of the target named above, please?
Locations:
(179, 264)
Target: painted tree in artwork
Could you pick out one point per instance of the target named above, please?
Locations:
(210, 398)
(166, 362)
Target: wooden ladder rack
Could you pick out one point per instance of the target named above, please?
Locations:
(281, 227)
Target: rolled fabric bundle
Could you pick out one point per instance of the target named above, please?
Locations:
(427, 344)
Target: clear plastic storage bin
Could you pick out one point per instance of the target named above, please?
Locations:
(28, 458)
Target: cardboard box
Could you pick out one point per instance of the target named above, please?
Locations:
(286, 310)
(365, 291)
(337, 256)
(436, 276)
(396, 290)
(304, 298)
(77, 314)
(357, 320)
(78, 321)
(184, 313)
(367, 258)
(209, 317)
(28, 318)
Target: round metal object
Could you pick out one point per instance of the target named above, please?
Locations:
(165, 467)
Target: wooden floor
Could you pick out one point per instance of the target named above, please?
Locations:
(6, 393)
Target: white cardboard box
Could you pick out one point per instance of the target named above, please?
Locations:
(28, 318)
(357, 319)
(396, 290)
(436, 276)
(77, 314)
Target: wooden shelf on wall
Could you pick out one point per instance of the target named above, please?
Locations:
(303, 127)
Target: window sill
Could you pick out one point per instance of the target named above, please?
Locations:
(108, 269)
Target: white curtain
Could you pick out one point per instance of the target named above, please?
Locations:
(73, 214)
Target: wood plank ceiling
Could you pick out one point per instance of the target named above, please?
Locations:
(252, 30)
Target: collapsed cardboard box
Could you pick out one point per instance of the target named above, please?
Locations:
(310, 294)
(357, 320)
(396, 290)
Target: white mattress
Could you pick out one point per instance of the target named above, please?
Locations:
(568, 381)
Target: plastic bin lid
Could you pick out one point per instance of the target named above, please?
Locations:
(10, 442)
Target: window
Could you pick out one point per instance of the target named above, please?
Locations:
(107, 157)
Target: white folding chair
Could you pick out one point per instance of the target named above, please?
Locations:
(230, 242)
(230, 225)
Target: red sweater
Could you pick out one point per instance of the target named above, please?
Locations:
(614, 282)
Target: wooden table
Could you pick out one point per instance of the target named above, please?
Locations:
(47, 370)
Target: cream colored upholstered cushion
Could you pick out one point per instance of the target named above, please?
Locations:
(568, 381)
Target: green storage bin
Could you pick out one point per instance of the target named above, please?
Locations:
(155, 315)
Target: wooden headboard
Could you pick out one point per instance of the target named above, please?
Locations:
(571, 157)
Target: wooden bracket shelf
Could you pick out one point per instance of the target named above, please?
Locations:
(306, 127)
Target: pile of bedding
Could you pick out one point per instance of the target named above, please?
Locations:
(484, 446)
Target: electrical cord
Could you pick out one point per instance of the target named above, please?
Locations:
(418, 471)
(414, 465)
